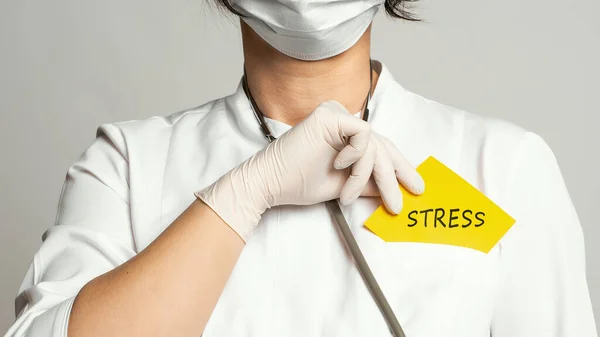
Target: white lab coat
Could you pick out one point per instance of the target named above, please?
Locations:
(294, 277)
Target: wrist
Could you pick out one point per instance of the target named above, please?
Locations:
(239, 205)
(255, 175)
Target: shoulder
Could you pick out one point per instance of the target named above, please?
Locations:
(155, 132)
(138, 148)
(487, 151)
(156, 125)
(472, 127)
(469, 131)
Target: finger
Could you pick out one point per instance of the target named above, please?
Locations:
(353, 132)
(358, 133)
(360, 175)
(405, 172)
(385, 178)
(371, 189)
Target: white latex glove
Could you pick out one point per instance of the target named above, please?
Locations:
(331, 154)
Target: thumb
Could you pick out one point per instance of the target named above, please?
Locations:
(351, 132)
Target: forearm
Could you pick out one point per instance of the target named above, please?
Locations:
(168, 289)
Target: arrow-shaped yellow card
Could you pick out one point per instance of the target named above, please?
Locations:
(451, 212)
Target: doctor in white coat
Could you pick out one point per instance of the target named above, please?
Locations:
(209, 222)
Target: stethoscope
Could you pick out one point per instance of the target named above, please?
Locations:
(335, 210)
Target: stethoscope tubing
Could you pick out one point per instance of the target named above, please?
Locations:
(338, 216)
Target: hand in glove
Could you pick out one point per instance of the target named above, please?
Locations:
(331, 154)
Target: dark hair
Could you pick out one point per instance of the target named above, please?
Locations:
(394, 8)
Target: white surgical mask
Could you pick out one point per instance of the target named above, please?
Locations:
(309, 29)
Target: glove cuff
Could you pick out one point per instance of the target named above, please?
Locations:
(231, 199)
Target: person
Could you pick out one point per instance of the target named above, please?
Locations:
(210, 222)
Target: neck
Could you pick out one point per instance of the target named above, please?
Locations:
(288, 90)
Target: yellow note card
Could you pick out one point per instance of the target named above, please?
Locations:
(450, 212)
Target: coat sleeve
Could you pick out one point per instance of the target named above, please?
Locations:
(542, 288)
(91, 236)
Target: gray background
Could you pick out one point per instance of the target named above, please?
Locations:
(68, 66)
